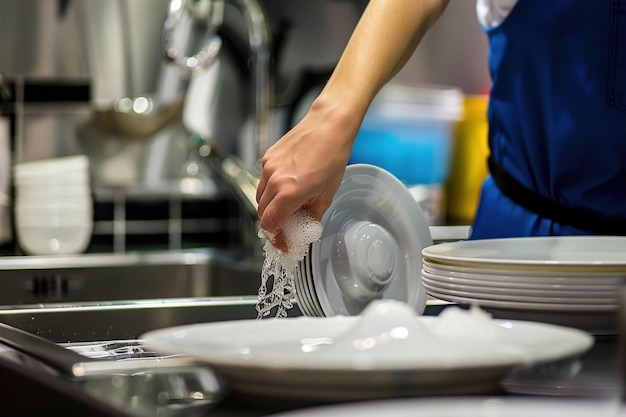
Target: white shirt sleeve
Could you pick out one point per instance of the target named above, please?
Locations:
(493, 12)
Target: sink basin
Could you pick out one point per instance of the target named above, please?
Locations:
(120, 296)
(129, 276)
(125, 320)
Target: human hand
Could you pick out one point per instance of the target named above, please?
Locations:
(305, 168)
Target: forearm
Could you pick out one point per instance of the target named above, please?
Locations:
(306, 166)
(382, 42)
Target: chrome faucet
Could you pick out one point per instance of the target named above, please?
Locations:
(244, 180)
(258, 43)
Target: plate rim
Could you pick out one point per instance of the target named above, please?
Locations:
(435, 252)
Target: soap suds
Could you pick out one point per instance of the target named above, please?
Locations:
(300, 230)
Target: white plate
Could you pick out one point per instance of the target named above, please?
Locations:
(313, 358)
(311, 289)
(596, 252)
(441, 282)
(539, 299)
(519, 283)
(580, 275)
(528, 279)
(520, 305)
(373, 235)
(468, 407)
(301, 295)
(315, 310)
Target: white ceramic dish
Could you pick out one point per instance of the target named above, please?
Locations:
(469, 407)
(546, 252)
(52, 166)
(528, 273)
(373, 234)
(336, 358)
(474, 293)
(520, 305)
(600, 281)
(303, 295)
(309, 285)
(435, 281)
(54, 239)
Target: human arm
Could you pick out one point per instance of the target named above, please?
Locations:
(305, 167)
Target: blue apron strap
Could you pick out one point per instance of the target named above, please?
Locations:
(544, 207)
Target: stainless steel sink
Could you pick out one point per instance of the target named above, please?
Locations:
(130, 276)
(121, 296)
(125, 320)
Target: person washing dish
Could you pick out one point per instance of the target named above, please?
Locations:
(557, 116)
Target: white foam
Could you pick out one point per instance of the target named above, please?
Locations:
(300, 230)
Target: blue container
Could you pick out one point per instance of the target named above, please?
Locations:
(409, 132)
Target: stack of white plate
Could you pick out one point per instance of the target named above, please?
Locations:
(53, 205)
(570, 280)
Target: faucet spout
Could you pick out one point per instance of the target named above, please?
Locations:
(258, 40)
(258, 43)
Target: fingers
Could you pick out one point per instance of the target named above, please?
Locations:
(274, 207)
(277, 211)
(280, 241)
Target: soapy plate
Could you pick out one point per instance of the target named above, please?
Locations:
(309, 358)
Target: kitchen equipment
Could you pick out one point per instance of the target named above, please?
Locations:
(6, 230)
(570, 280)
(136, 117)
(468, 165)
(148, 385)
(202, 61)
(408, 130)
(387, 351)
(373, 233)
(200, 120)
(210, 11)
(53, 205)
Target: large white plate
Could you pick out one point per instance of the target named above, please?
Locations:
(469, 407)
(373, 235)
(551, 251)
(311, 358)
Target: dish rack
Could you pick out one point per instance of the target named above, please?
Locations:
(129, 220)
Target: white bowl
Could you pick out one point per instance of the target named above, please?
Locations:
(54, 240)
(44, 180)
(54, 192)
(72, 205)
(53, 217)
(55, 166)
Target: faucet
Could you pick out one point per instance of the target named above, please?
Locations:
(244, 180)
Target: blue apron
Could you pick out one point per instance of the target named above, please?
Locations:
(557, 121)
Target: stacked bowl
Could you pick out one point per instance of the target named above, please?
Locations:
(53, 205)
